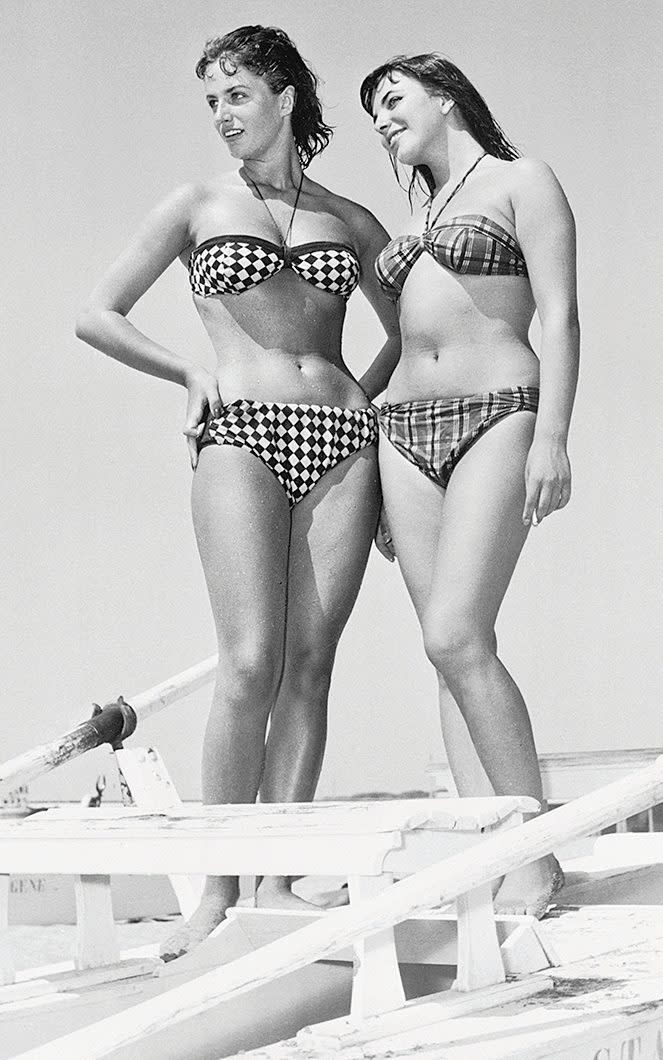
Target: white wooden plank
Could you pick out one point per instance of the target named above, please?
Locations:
(626, 850)
(499, 854)
(147, 782)
(96, 937)
(283, 818)
(348, 1032)
(170, 852)
(6, 960)
(479, 962)
(73, 981)
(376, 980)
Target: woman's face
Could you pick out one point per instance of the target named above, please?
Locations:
(408, 119)
(247, 115)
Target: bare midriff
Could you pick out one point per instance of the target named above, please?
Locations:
(280, 341)
(462, 334)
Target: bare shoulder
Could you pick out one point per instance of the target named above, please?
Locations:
(364, 225)
(532, 173)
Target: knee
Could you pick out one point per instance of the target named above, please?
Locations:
(308, 668)
(456, 646)
(249, 672)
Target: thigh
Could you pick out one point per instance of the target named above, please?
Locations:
(413, 506)
(242, 523)
(332, 532)
(481, 531)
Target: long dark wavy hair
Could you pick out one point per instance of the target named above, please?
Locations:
(268, 52)
(441, 78)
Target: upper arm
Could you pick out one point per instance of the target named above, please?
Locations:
(161, 237)
(371, 238)
(545, 229)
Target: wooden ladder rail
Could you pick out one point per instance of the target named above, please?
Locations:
(91, 733)
(442, 882)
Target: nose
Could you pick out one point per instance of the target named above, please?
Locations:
(381, 122)
(221, 115)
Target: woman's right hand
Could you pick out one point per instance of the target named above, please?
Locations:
(203, 399)
(383, 542)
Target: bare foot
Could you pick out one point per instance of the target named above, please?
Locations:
(530, 889)
(275, 892)
(332, 899)
(210, 913)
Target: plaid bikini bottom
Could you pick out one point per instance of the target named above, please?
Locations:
(434, 435)
(298, 443)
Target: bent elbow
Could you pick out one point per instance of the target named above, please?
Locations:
(84, 325)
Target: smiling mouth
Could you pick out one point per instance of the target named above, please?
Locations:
(232, 134)
(392, 137)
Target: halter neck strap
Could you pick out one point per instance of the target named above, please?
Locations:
(285, 238)
(429, 223)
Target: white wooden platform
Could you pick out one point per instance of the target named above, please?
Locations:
(364, 838)
(604, 1002)
(371, 842)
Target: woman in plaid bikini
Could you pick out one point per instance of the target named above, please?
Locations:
(470, 445)
(281, 436)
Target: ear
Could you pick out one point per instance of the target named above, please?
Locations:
(288, 100)
(446, 104)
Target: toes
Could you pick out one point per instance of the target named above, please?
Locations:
(166, 957)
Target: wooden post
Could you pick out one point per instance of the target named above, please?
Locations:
(479, 960)
(6, 963)
(147, 784)
(96, 937)
(443, 882)
(376, 981)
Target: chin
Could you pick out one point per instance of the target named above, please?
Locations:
(409, 157)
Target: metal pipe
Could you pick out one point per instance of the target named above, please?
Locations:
(110, 724)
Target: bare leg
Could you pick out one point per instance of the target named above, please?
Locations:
(481, 536)
(332, 531)
(242, 524)
(407, 490)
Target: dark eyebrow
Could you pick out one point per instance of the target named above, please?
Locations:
(382, 101)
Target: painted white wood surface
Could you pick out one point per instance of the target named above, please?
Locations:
(605, 1007)
(301, 839)
(567, 775)
(146, 783)
(498, 854)
(96, 938)
(376, 981)
(6, 961)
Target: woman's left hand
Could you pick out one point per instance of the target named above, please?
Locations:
(547, 481)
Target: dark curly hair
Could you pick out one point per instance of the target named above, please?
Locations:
(268, 52)
(440, 77)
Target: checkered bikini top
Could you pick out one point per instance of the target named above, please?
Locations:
(232, 264)
(470, 243)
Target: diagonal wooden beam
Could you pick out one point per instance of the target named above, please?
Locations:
(442, 882)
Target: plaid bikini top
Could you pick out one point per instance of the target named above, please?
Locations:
(470, 243)
(232, 264)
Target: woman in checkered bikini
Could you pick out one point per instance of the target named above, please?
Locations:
(281, 436)
(463, 445)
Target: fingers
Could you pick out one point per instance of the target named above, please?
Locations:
(544, 498)
(530, 517)
(383, 541)
(213, 399)
(565, 495)
(203, 401)
(192, 438)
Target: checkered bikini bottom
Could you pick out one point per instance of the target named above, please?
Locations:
(298, 443)
(434, 435)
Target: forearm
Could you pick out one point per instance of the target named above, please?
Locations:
(377, 375)
(109, 331)
(560, 347)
